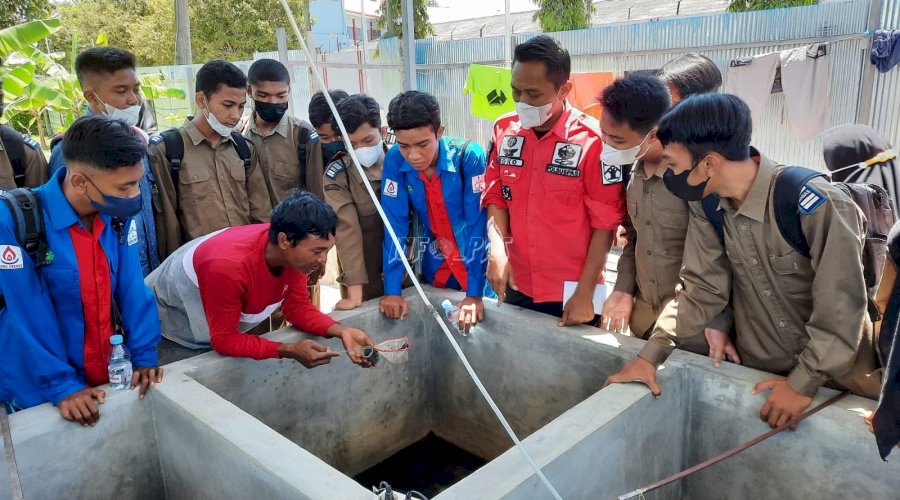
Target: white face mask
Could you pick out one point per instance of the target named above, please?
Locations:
(129, 115)
(613, 156)
(223, 130)
(370, 155)
(534, 116)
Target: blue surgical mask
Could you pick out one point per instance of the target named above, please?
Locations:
(114, 206)
(331, 149)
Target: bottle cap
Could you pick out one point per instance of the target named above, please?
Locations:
(446, 305)
(116, 340)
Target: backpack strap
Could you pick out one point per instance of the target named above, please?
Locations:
(28, 219)
(460, 159)
(790, 202)
(14, 143)
(715, 214)
(174, 153)
(302, 141)
(243, 149)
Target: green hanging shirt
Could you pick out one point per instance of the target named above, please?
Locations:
(491, 91)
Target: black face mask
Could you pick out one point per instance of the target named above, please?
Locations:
(678, 185)
(269, 112)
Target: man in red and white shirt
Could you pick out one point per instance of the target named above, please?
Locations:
(216, 287)
(552, 207)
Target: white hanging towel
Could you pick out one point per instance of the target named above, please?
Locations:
(750, 78)
(805, 80)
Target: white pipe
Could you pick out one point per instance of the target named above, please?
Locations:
(409, 271)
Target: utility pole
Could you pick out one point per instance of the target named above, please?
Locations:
(409, 45)
(507, 38)
(183, 54)
(365, 39)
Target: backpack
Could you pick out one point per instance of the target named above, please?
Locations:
(301, 154)
(31, 234)
(14, 143)
(873, 201)
(175, 151)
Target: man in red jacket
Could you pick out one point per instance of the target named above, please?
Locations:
(215, 288)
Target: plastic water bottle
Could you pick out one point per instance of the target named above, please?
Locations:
(119, 365)
(452, 314)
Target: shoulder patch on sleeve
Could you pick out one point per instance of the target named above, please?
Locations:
(478, 183)
(313, 137)
(11, 258)
(156, 139)
(33, 144)
(334, 168)
(810, 199)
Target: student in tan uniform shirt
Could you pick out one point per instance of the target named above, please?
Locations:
(216, 189)
(803, 319)
(360, 229)
(22, 163)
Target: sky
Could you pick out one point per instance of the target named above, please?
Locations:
(454, 10)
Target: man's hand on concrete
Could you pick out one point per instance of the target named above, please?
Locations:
(354, 340)
(83, 406)
(146, 377)
(617, 312)
(784, 403)
(500, 275)
(308, 352)
(639, 370)
(720, 347)
(393, 307)
(471, 311)
(579, 309)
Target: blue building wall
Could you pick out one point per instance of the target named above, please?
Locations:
(330, 28)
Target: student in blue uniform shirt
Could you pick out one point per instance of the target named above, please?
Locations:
(108, 78)
(442, 180)
(58, 313)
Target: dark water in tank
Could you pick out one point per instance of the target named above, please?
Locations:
(428, 466)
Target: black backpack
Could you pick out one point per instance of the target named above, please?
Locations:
(28, 218)
(872, 199)
(14, 143)
(175, 151)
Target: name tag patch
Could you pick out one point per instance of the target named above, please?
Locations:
(11, 258)
(510, 151)
(478, 184)
(390, 188)
(810, 199)
(612, 174)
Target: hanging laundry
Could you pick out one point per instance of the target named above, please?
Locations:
(805, 78)
(491, 91)
(586, 89)
(886, 49)
(750, 78)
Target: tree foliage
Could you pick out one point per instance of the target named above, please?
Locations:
(751, 5)
(220, 29)
(564, 15)
(391, 20)
(14, 12)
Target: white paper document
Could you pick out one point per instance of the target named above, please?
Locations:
(599, 294)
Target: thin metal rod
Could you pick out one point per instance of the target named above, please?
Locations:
(409, 271)
(11, 466)
(730, 453)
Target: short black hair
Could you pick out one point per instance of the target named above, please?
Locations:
(300, 215)
(103, 143)
(547, 50)
(709, 123)
(414, 109)
(691, 74)
(268, 70)
(356, 110)
(102, 61)
(319, 112)
(216, 73)
(638, 100)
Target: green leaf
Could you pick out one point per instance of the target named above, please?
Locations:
(16, 79)
(21, 36)
(101, 40)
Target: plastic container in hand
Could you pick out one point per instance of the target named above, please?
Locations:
(119, 365)
(452, 314)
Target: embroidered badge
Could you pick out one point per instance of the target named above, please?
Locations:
(332, 187)
(390, 188)
(156, 139)
(33, 144)
(11, 258)
(506, 191)
(132, 233)
(333, 169)
(612, 174)
(313, 136)
(565, 160)
(510, 151)
(810, 199)
(477, 184)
